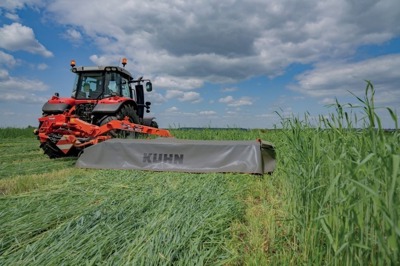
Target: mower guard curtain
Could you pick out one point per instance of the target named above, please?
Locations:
(198, 156)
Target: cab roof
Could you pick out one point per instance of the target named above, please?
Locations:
(101, 69)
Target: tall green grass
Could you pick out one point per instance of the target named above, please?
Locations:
(9, 132)
(345, 185)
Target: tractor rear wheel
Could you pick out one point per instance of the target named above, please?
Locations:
(154, 124)
(125, 111)
(129, 111)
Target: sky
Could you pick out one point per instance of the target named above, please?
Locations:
(219, 63)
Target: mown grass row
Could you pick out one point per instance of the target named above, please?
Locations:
(22, 157)
(140, 218)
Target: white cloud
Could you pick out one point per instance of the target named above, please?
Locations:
(17, 37)
(18, 4)
(335, 80)
(19, 89)
(183, 96)
(155, 97)
(175, 39)
(172, 94)
(208, 113)
(190, 96)
(15, 85)
(227, 99)
(102, 60)
(3, 74)
(177, 83)
(7, 60)
(73, 36)
(22, 97)
(327, 101)
(42, 66)
(229, 89)
(230, 101)
(172, 109)
(12, 16)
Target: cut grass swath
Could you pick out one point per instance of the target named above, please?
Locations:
(139, 218)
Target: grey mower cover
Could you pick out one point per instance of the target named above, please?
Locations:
(169, 154)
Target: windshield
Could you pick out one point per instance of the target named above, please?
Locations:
(89, 85)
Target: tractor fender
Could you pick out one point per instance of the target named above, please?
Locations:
(111, 108)
(55, 108)
(148, 120)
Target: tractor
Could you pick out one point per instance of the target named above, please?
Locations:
(104, 104)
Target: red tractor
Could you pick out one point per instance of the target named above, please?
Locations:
(103, 105)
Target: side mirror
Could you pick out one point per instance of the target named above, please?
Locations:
(149, 86)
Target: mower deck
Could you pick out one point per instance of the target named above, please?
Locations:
(169, 154)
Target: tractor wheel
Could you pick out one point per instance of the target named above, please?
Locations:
(126, 110)
(154, 124)
(129, 111)
(112, 133)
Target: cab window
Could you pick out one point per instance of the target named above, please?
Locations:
(113, 84)
(89, 85)
(125, 90)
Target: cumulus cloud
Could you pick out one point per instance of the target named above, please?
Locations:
(177, 83)
(12, 16)
(18, 4)
(208, 113)
(73, 35)
(230, 101)
(23, 98)
(230, 40)
(229, 89)
(7, 60)
(227, 99)
(183, 96)
(42, 66)
(17, 37)
(20, 90)
(155, 97)
(335, 80)
(172, 109)
(16, 85)
(190, 96)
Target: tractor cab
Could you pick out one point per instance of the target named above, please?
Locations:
(101, 91)
(96, 83)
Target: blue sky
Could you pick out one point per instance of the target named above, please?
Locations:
(213, 63)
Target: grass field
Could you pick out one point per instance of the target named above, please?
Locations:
(333, 199)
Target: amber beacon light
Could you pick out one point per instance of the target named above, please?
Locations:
(124, 61)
